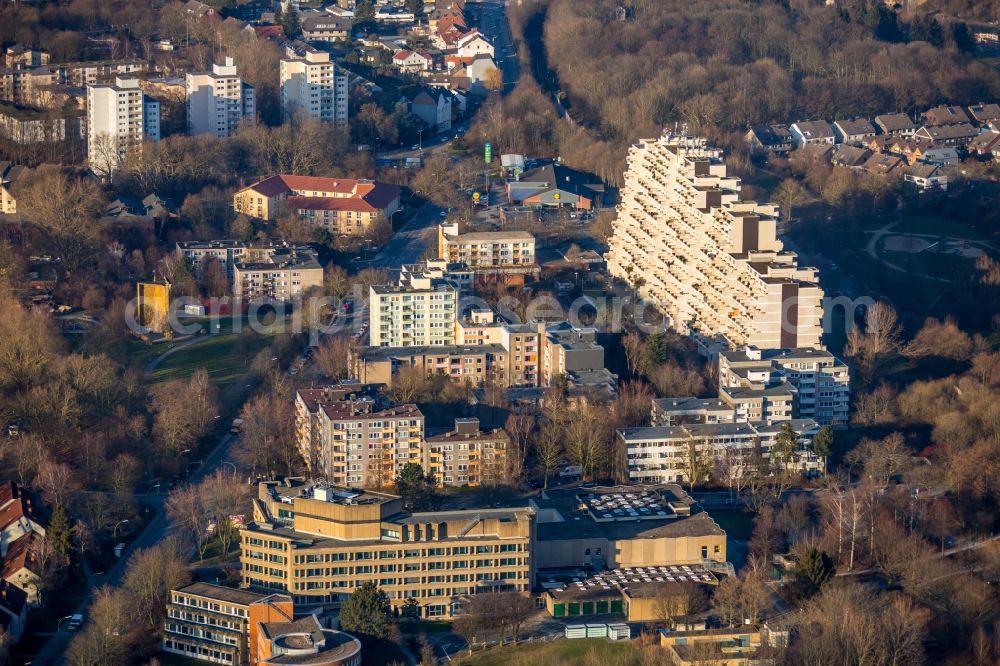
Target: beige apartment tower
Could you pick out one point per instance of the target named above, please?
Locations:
(315, 87)
(705, 257)
(218, 102)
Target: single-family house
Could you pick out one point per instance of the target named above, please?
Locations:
(22, 566)
(984, 144)
(19, 515)
(855, 131)
(883, 165)
(852, 157)
(473, 44)
(945, 115)
(982, 114)
(412, 61)
(940, 156)
(776, 139)
(478, 72)
(813, 131)
(948, 135)
(434, 108)
(925, 177)
(880, 143)
(895, 124)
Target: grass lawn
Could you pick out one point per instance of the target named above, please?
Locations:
(935, 226)
(218, 354)
(557, 653)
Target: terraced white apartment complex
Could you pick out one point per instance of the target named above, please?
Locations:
(706, 258)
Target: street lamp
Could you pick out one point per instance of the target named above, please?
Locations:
(420, 140)
(114, 532)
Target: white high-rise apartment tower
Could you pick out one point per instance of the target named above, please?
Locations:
(315, 87)
(218, 102)
(709, 260)
(119, 115)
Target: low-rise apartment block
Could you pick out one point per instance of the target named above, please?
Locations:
(467, 455)
(340, 205)
(473, 364)
(280, 271)
(219, 102)
(487, 250)
(26, 126)
(820, 381)
(419, 314)
(319, 543)
(707, 259)
(662, 454)
(353, 438)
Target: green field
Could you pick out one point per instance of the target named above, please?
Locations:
(219, 355)
(582, 651)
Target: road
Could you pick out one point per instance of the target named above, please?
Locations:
(409, 243)
(491, 20)
(155, 531)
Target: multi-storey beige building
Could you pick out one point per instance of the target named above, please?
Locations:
(342, 205)
(421, 313)
(119, 117)
(277, 271)
(818, 381)
(487, 250)
(319, 543)
(315, 87)
(219, 102)
(709, 260)
(352, 438)
(467, 456)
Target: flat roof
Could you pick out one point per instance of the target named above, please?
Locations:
(387, 353)
(229, 594)
(637, 582)
(573, 518)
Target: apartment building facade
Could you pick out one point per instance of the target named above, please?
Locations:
(219, 102)
(487, 250)
(319, 543)
(419, 314)
(467, 455)
(279, 272)
(356, 439)
(198, 253)
(119, 118)
(314, 86)
(27, 127)
(662, 454)
(709, 260)
(220, 624)
(341, 205)
(819, 382)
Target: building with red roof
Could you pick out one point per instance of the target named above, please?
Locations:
(340, 205)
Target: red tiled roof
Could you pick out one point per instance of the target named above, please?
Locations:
(21, 555)
(369, 198)
(14, 505)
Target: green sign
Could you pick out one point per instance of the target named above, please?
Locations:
(488, 153)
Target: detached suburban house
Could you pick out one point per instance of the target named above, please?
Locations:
(898, 124)
(813, 131)
(434, 108)
(984, 144)
(855, 132)
(883, 165)
(926, 177)
(555, 185)
(940, 156)
(850, 156)
(412, 61)
(775, 139)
